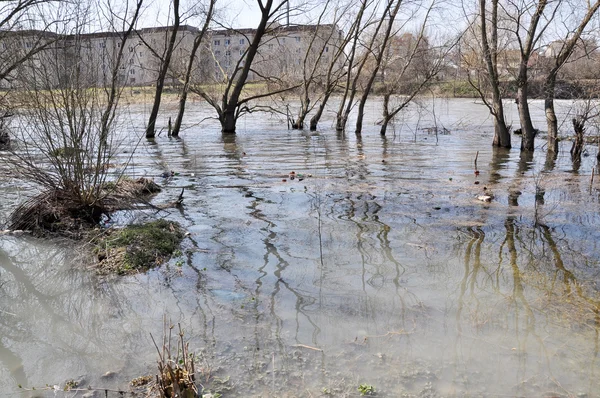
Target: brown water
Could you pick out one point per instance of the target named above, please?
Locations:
(380, 267)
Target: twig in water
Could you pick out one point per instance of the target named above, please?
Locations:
(307, 346)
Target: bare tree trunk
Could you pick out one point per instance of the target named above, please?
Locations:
(577, 148)
(501, 133)
(230, 105)
(527, 143)
(162, 74)
(551, 120)
(314, 121)
(228, 121)
(352, 80)
(303, 112)
(386, 114)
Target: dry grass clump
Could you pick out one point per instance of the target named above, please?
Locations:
(176, 368)
(59, 211)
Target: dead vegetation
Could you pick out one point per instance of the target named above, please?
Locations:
(176, 368)
(59, 212)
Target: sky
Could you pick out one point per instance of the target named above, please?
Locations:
(239, 13)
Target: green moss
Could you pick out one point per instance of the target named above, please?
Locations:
(139, 247)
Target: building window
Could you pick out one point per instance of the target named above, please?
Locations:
(132, 72)
(326, 49)
(297, 39)
(217, 42)
(102, 44)
(227, 42)
(227, 53)
(131, 61)
(242, 52)
(217, 52)
(242, 41)
(130, 49)
(118, 45)
(270, 46)
(141, 54)
(28, 44)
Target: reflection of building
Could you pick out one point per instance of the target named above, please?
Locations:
(89, 58)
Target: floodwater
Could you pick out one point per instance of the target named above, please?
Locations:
(380, 267)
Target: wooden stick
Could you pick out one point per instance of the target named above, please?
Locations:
(476, 156)
(307, 346)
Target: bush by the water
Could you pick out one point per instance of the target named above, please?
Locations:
(59, 211)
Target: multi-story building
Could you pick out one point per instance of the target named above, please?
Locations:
(89, 59)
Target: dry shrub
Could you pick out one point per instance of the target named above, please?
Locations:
(58, 211)
(176, 373)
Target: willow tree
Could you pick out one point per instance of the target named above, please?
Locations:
(68, 121)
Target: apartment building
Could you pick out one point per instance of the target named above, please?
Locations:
(89, 58)
(282, 53)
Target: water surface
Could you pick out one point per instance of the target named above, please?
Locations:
(379, 267)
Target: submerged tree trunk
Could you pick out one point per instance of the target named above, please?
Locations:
(386, 114)
(527, 143)
(302, 113)
(551, 120)
(314, 121)
(577, 148)
(228, 121)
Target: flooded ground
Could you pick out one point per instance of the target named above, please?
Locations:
(376, 265)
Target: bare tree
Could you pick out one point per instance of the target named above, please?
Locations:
(486, 33)
(67, 131)
(529, 20)
(208, 15)
(409, 64)
(559, 59)
(338, 66)
(356, 63)
(323, 42)
(165, 62)
(228, 102)
(378, 47)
